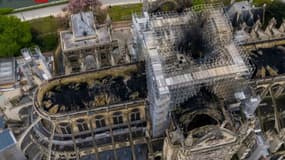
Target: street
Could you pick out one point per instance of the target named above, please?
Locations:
(56, 10)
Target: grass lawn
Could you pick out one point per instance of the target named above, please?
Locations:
(44, 32)
(121, 13)
(45, 25)
(261, 2)
(4, 11)
(198, 2)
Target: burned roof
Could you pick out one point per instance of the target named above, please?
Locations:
(92, 89)
(200, 110)
(269, 62)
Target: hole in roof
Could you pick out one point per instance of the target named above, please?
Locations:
(84, 33)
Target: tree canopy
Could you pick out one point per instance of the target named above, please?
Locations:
(76, 6)
(276, 9)
(4, 11)
(14, 35)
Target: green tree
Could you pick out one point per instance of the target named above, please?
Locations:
(276, 9)
(4, 11)
(14, 35)
(197, 2)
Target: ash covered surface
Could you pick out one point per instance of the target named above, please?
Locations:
(266, 111)
(102, 91)
(269, 62)
(200, 110)
(193, 42)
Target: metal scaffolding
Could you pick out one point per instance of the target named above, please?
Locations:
(174, 74)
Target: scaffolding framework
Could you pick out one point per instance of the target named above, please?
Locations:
(174, 76)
